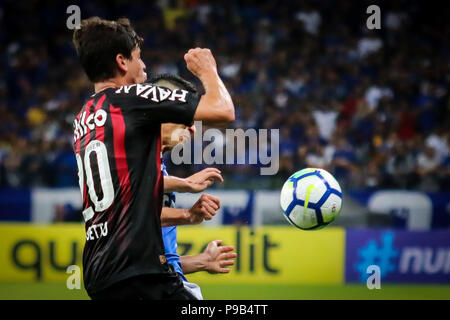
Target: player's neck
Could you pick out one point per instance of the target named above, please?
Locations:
(110, 83)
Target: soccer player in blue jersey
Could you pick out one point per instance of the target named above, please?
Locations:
(215, 258)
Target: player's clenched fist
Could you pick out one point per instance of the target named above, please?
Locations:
(204, 209)
(200, 61)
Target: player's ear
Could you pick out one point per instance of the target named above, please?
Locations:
(121, 63)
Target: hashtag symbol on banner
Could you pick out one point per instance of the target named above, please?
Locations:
(381, 256)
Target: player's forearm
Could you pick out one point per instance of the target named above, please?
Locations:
(195, 263)
(174, 184)
(174, 217)
(215, 106)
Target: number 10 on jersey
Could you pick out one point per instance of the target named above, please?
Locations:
(96, 166)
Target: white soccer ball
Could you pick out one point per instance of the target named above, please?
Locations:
(311, 199)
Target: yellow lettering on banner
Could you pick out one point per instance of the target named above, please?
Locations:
(39, 252)
(275, 255)
(266, 255)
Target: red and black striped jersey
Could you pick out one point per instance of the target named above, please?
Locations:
(117, 144)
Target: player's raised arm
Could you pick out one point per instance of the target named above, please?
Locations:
(215, 106)
(197, 182)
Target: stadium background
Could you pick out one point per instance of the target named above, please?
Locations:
(370, 106)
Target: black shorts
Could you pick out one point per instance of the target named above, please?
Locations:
(146, 287)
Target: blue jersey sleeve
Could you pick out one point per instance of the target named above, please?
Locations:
(169, 235)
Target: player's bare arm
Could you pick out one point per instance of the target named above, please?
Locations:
(215, 106)
(204, 209)
(197, 182)
(215, 259)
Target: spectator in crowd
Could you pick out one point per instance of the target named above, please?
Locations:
(400, 166)
(428, 163)
(315, 158)
(344, 162)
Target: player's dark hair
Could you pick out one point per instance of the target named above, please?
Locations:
(175, 80)
(99, 41)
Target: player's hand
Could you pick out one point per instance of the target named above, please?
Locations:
(202, 180)
(200, 62)
(204, 209)
(218, 257)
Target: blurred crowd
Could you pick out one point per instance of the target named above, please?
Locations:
(370, 106)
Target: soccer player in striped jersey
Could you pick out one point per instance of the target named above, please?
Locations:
(215, 258)
(117, 143)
